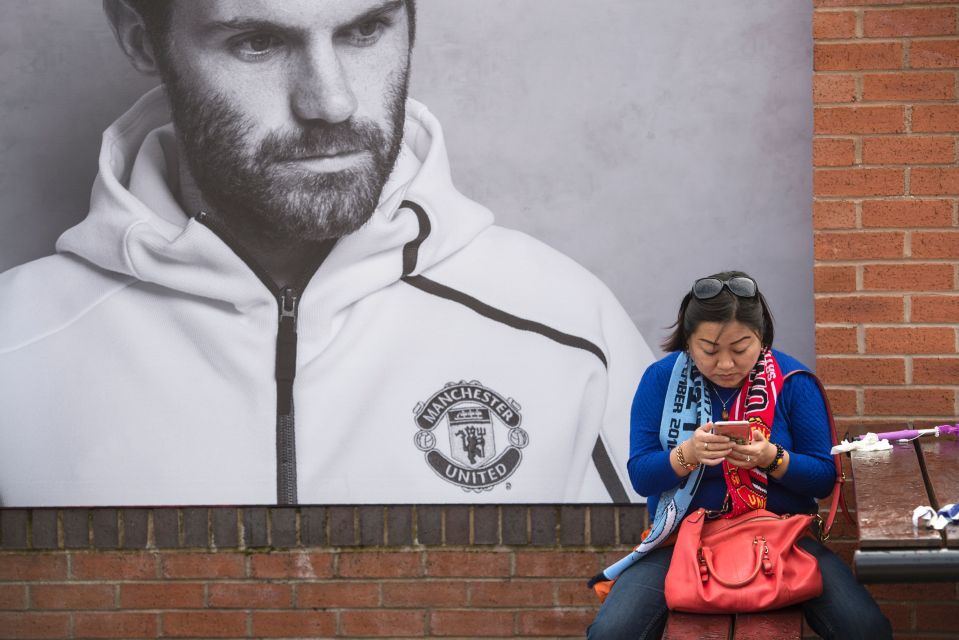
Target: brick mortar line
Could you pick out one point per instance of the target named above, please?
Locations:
(911, 71)
(896, 198)
(890, 387)
(865, 104)
(897, 39)
(920, 354)
(854, 73)
(335, 551)
(888, 165)
(899, 417)
(886, 262)
(857, 164)
(885, 136)
(860, 103)
(857, 325)
(859, 7)
(866, 3)
(866, 40)
(884, 229)
(372, 607)
(857, 356)
(871, 293)
(892, 38)
(856, 8)
(904, 166)
(904, 261)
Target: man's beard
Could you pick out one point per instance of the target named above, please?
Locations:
(256, 189)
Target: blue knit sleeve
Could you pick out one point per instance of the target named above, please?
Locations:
(649, 468)
(802, 427)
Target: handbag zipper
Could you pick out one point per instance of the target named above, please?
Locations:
(748, 521)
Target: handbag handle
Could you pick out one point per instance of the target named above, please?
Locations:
(837, 491)
(707, 559)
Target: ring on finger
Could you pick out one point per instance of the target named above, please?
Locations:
(748, 458)
(706, 447)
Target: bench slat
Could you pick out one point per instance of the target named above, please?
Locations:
(695, 626)
(888, 486)
(782, 624)
(940, 456)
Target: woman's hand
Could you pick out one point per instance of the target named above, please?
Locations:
(759, 453)
(705, 447)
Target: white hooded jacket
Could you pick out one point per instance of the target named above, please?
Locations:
(437, 359)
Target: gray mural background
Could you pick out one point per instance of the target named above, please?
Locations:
(652, 141)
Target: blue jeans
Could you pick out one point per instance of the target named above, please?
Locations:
(636, 606)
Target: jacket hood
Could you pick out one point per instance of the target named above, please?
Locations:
(137, 228)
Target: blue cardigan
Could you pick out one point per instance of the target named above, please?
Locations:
(800, 426)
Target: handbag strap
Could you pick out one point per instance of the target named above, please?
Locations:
(837, 491)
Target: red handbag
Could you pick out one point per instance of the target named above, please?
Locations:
(742, 564)
(750, 562)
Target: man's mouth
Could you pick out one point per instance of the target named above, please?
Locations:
(328, 161)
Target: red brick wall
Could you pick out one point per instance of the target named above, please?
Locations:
(455, 571)
(886, 185)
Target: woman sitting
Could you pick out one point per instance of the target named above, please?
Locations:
(720, 350)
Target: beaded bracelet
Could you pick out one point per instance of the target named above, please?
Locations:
(778, 460)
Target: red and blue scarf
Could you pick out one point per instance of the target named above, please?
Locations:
(755, 403)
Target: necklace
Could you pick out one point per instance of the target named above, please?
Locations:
(725, 412)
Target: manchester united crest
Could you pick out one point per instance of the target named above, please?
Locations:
(471, 435)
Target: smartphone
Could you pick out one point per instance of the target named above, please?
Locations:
(739, 431)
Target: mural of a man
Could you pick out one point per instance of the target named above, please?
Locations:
(278, 296)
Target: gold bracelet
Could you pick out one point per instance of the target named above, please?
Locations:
(681, 459)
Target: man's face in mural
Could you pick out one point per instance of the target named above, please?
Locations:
(289, 115)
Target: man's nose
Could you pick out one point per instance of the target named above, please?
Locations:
(321, 88)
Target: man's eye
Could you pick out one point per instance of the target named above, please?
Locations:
(257, 45)
(366, 33)
(368, 28)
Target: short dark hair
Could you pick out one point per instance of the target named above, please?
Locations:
(725, 307)
(156, 16)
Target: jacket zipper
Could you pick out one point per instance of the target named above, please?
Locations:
(287, 300)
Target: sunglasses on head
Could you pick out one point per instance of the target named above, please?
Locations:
(706, 288)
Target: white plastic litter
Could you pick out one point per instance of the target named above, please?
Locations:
(869, 442)
(936, 520)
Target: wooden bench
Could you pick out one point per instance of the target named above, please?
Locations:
(889, 485)
(782, 624)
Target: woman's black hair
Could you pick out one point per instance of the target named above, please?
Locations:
(725, 307)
